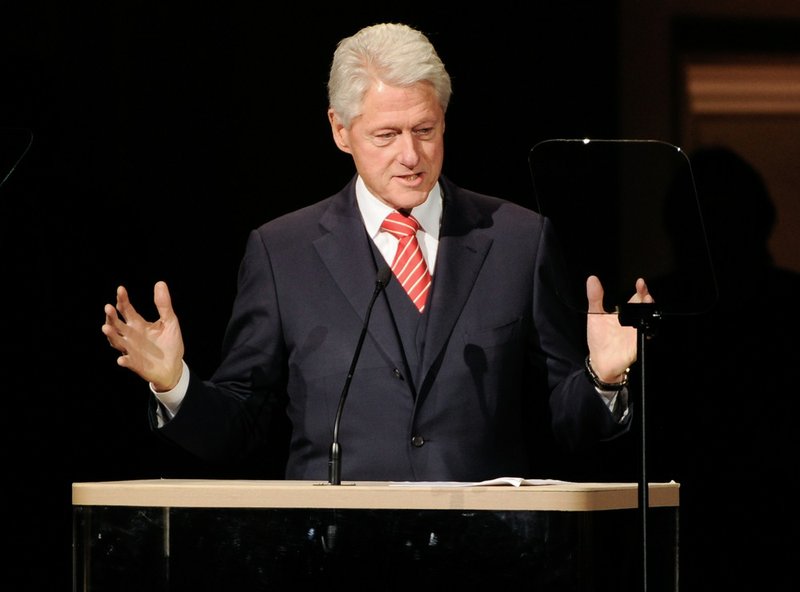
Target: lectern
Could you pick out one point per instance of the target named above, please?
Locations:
(169, 535)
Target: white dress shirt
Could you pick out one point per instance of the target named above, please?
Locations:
(428, 214)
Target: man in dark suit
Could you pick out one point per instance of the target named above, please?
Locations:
(451, 377)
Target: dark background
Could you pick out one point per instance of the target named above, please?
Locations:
(162, 133)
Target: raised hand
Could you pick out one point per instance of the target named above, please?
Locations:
(612, 347)
(153, 350)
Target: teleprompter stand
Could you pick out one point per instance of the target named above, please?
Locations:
(645, 317)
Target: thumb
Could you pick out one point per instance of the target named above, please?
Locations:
(162, 300)
(594, 294)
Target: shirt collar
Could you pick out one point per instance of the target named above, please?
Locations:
(373, 210)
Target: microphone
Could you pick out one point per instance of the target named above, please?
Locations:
(335, 462)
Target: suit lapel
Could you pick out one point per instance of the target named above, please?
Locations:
(462, 252)
(346, 253)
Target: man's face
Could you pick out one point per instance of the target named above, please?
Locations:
(397, 143)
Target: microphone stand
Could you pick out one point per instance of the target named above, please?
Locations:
(644, 316)
(335, 461)
(19, 158)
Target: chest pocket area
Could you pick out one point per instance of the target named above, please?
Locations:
(493, 336)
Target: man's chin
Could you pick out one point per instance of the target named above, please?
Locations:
(406, 198)
(406, 202)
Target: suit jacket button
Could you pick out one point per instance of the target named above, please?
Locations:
(417, 441)
(396, 373)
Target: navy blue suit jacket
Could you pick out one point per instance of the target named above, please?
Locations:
(463, 400)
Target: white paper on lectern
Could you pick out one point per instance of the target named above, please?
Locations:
(514, 481)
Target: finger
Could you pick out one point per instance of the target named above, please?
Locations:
(641, 286)
(125, 307)
(642, 292)
(114, 337)
(111, 314)
(162, 300)
(114, 325)
(594, 294)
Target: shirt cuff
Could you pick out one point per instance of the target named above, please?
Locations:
(617, 402)
(171, 400)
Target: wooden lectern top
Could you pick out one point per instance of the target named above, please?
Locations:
(210, 493)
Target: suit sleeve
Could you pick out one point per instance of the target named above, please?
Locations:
(580, 416)
(225, 418)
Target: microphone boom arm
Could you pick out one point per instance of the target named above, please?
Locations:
(335, 461)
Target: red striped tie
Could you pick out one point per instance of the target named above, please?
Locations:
(409, 265)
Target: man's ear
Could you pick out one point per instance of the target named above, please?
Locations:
(340, 133)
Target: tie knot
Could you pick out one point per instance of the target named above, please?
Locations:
(400, 225)
(409, 264)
